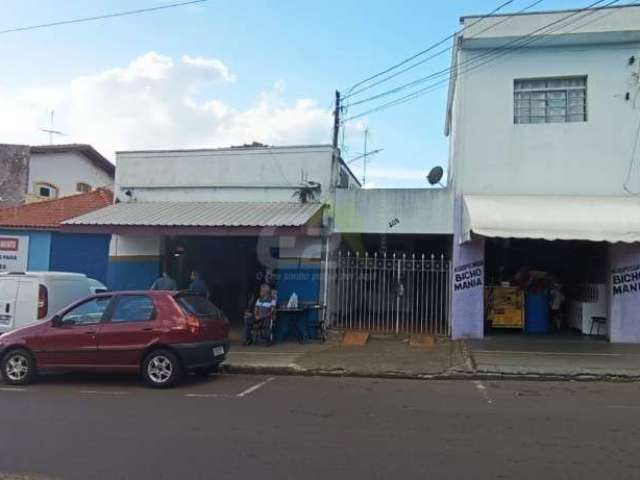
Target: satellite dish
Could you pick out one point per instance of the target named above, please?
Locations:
(435, 175)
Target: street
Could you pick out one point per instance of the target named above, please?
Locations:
(244, 426)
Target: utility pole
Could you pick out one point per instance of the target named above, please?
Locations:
(336, 120)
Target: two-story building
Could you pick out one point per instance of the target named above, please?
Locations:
(543, 119)
(47, 172)
(233, 214)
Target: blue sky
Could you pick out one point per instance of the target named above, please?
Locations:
(263, 70)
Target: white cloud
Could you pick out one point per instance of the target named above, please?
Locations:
(158, 102)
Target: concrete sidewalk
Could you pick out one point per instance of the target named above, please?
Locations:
(571, 357)
(580, 358)
(385, 357)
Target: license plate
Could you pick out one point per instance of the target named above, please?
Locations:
(217, 351)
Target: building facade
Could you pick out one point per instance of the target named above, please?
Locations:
(47, 172)
(233, 214)
(542, 119)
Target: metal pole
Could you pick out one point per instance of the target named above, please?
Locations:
(398, 301)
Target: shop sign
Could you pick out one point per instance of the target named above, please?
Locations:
(13, 253)
(468, 276)
(626, 280)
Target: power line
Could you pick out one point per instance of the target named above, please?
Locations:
(419, 54)
(475, 64)
(512, 45)
(99, 17)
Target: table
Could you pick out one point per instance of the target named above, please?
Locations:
(301, 311)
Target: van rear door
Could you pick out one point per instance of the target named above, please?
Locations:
(26, 311)
(8, 295)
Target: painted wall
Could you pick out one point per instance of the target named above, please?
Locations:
(394, 211)
(65, 170)
(492, 155)
(255, 174)
(39, 247)
(467, 290)
(624, 326)
(80, 253)
(134, 262)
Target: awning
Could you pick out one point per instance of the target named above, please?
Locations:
(200, 218)
(597, 219)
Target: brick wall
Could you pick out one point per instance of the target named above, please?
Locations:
(14, 174)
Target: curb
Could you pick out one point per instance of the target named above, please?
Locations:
(447, 375)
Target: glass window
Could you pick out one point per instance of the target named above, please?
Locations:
(83, 187)
(46, 190)
(550, 100)
(133, 308)
(87, 313)
(198, 306)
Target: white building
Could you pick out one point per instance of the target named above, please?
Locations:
(233, 214)
(61, 170)
(543, 118)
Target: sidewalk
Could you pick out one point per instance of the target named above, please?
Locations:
(578, 358)
(386, 357)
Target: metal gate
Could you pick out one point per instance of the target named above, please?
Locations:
(409, 294)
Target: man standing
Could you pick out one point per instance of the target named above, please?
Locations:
(197, 285)
(164, 282)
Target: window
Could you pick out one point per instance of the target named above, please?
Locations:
(550, 100)
(45, 190)
(198, 306)
(87, 313)
(133, 308)
(82, 187)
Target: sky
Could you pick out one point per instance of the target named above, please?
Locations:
(229, 72)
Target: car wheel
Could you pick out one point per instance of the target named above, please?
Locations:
(161, 369)
(18, 367)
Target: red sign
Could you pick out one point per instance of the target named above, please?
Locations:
(9, 244)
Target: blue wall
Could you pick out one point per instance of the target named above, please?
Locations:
(303, 278)
(80, 253)
(126, 273)
(39, 247)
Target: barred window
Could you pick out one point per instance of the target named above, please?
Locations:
(550, 100)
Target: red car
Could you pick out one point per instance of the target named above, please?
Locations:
(163, 335)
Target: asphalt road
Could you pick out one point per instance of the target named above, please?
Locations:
(331, 428)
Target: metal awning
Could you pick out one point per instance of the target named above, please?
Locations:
(597, 219)
(200, 218)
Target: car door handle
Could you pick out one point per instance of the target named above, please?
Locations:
(90, 333)
(147, 329)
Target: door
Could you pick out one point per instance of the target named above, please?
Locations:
(8, 294)
(130, 329)
(72, 340)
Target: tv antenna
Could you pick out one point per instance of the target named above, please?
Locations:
(365, 157)
(51, 131)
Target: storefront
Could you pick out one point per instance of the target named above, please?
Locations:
(547, 265)
(235, 246)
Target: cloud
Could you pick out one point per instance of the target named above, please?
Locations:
(159, 102)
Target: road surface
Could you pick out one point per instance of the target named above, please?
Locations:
(237, 427)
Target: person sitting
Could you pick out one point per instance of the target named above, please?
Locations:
(197, 285)
(262, 315)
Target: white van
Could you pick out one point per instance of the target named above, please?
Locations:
(35, 296)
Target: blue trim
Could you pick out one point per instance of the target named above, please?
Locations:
(136, 274)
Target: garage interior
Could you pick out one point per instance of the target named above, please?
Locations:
(546, 287)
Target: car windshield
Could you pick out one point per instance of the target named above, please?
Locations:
(199, 306)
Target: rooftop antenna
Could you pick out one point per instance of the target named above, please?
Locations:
(51, 131)
(365, 157)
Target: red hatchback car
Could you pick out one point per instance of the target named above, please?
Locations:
(163, 335)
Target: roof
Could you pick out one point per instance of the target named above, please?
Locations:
(201, 214)
(544, 12)
(87, 150)
(49, 214)
(237, 149)
(553, 217)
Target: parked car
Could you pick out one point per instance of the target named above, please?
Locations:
(27, 297)
(160, 334)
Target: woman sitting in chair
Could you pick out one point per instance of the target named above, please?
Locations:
(261, 319)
